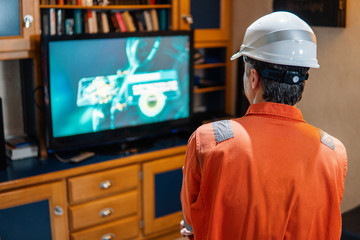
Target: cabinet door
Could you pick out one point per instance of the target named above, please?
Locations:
(210, 19)
(15, 35)
(34, 213)
(162, 181)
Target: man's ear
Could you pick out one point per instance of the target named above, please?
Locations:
(255, 79)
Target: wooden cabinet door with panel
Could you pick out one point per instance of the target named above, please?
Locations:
(162, 180)
(37, 212)
(17, 27)
(209, 18)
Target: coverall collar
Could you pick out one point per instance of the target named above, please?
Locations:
(275, 109)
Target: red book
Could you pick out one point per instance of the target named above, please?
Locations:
(60, 2)
(120, 22)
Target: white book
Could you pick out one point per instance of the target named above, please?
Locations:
(105, 22)
(148, 23)
(94, 22)
(52, 21)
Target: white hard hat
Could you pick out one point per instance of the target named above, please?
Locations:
(280, 38)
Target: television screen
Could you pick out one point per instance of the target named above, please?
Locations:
(105, 88)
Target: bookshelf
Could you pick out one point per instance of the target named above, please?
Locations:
(60, 19)
(211, 22)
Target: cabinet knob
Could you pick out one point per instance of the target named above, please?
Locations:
(108, 236)
(58, 210)
(188, 19)
(106, 184)
(28, 19)
(106, 212)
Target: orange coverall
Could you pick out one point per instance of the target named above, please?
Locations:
(267, 175)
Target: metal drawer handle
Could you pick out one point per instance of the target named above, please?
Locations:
(108, 236)
(106, 212)
(106, 184)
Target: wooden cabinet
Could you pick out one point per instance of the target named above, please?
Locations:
(211, 22)
(40, 211)
(135, 197)
(17, 28)
(102, 204)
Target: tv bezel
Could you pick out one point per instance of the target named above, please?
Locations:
(111, 136)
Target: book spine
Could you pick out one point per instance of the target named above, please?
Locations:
(147, 18)
(154, 19)
(94, 22)
(163, 19)
(121, 22)
(130, 26)
(52, 21)
(105, 23)
(60, 2)
(114, 23)
(45, 26)
(77, 21)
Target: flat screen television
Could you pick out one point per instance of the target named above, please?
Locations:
(111, 88)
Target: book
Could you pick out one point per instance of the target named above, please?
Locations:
(45, 24)
(129, 22)
(154, 19)
(52, 21)
(60, 22)
(163, 19)
(139, 24)
(21, 152)
(121, 22)
(99, 22)
(21, 147)
(94, 22)
(105, 23)
(114, 26)
(77, 21)
(147, 18)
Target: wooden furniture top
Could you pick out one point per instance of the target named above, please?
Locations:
(29, 172)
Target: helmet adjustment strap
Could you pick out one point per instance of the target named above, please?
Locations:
(283, 76)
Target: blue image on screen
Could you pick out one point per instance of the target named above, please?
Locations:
(102, 84)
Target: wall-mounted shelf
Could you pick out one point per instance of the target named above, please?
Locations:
(209, 89)
(209, 65)
(111, 7)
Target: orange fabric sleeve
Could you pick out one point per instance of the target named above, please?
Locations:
(191, 178)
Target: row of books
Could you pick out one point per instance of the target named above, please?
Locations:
(68, 22)
(102, 2)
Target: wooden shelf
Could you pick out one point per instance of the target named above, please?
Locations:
(209, 89)
(110, 7)
(209, 65)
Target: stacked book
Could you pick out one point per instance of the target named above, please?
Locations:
(21, 147)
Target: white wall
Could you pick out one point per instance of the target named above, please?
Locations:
(10, 92)
(331, 98)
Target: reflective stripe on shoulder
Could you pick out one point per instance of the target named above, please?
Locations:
(222, 130)
(327, 139)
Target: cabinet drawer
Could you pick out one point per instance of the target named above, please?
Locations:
(103, 210)
(103, 183)
(120, 229)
